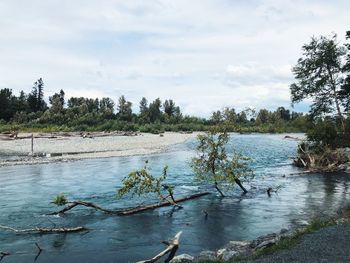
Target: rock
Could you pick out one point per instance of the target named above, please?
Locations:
(284, 233)
(183, 258)
(233, 249)
(206, 255)
(345, 151)
(265, 241)
(344, 166)
(226, 254)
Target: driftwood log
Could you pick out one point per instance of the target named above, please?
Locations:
(139, 209)
(83, 203)
(129, 211)
(172, 247)
(39, 230)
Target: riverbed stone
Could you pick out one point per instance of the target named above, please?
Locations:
(265, 241)
(284, 232)
(206, 255)
(233, 249)
(183, 258)
(226, 254)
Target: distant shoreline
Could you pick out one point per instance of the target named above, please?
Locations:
(77, 146)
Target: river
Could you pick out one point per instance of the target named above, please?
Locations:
(26, 192)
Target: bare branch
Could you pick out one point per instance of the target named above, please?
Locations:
(39, 230)
(173, 245)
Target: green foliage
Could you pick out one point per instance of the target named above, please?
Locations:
(25, 113)
(141, 182)
(213, 164)
(345, 89)
(60, 199)
(124, 109)
(318, 75)
(323, 133)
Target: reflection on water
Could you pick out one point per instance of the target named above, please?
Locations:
(26, 192)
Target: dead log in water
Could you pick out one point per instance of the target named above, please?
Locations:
(173, 246)
(83, 203)
(129, 211)
(39, 230)
(139, 209)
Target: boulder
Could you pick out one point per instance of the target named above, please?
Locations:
(266, 241)
(233, 249)
(206, 256)
(183, 258)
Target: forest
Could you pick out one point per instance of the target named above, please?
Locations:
(31, 112)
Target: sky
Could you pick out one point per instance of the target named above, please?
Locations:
(203, 54)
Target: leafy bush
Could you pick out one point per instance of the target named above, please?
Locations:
(60, 199)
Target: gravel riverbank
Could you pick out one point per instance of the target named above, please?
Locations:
(65, 148)
(330, 244)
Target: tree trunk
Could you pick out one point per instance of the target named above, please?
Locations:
(334, 88)
(153, 206)
(218, 189)
(45, 230)
(173, 245)
(129, 211)
(240, 185)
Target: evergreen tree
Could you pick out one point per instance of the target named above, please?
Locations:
(144, 111)
(124, 109)
(6, 104)
(36, 97)
(155, 113)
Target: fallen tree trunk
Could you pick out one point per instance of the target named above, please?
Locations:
(157, 205)
(129, 211)
(40, 230)
(173, 246)
(83, 203)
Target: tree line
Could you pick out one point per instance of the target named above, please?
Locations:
(27, 111)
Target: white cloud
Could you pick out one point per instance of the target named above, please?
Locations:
(204, 54)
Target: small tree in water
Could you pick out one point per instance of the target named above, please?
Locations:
(213, 164)
(141, 182)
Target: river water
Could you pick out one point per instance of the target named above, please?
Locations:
(26, 193)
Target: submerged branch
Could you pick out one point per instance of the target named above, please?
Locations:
(3, 254)
(158, 205)
(39, 230)
(83, 203)
(134, 210)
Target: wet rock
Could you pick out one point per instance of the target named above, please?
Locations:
(226, 254)
(183, 258)
(233, 249)
(284, 233)
(345, 151)
(206, 255)
(265, 241)
(344, 166)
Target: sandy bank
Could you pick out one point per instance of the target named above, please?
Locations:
(65, 148)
